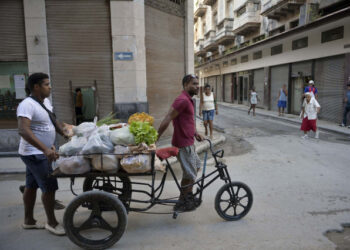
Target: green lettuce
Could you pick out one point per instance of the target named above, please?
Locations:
(143, 132)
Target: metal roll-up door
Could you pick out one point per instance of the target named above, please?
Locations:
(80, 50)
(12, 31)
(329, 81)
(228, 88)
(279, 76)
(212, 83)
(259, 76)
(219, 89)
(302, 69)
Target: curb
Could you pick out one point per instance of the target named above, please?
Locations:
(287, 120)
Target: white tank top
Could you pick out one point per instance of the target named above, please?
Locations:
(208, 101)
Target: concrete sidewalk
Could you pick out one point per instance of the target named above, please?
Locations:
(323, 125)
(14, 165)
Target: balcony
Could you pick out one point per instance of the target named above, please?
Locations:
(209, 2)
(277, 9)
(199, 48)
(247, 23)
(210, 41)
(224, 33)
(199, 9)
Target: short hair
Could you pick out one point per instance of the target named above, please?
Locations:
(78, 89)
(206, 86)
(188, 78)
(36, 78)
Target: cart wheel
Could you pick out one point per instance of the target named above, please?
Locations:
(233, 201)
(119, 185)
(95, 229)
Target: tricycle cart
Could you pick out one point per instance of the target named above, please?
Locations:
(97, 218)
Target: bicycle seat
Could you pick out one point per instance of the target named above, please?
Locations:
(165, 153)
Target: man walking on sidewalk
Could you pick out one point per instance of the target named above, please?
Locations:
(38, 131)
(347, 106)
(181, 114)
(309, 114)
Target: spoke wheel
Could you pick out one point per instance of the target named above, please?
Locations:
(118, 185)
(95, 228)
(233, 201)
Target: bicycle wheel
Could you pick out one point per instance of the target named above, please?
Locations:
(233, 201)
(118, 185)
(95, 228)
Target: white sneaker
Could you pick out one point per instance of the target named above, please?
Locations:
(57, 230)
(304, 137)
(342, 125)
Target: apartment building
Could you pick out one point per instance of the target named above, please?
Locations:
(267, 43)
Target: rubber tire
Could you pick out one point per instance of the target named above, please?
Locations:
(87, 186)
(222, 190)
(109, 198)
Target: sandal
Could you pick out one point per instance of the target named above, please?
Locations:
(34, 226)
(57, 230)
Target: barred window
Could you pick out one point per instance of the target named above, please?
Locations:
(257, 55)
(333, 34)
(276, 50)
(300, 43)
(244, 58)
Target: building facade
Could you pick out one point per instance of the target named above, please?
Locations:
(126, 56)
(240, 44)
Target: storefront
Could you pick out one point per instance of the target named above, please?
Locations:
(259, 80)
(228, 88)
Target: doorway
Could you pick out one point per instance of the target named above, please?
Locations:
(245, 89)
(241, 89)
(297, 92)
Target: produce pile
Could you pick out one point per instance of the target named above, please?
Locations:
(107, 144)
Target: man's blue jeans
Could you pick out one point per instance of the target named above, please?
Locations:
(346, 111)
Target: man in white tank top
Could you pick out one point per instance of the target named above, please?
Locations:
(207, 107)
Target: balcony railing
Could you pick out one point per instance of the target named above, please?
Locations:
(199, 48)
(247, 23)
(224, 32)
(210, 41)
(277, 9)
(199, 8)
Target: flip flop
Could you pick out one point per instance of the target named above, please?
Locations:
(34, 226)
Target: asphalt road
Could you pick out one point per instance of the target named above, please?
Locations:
(300, 189)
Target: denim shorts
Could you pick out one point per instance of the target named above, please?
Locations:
(282, 104)
(38, 170)
(208, 115)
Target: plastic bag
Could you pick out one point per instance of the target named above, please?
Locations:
(121, 150)
(74, 146)
(158, 165)
(136, 164)
(73, 165)
(85, 129)
(98, 143)
(109, 163)
(103, 130)
(122, 136)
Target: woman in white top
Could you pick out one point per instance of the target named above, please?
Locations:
(207, 107)
(253, 100)
(309, 115)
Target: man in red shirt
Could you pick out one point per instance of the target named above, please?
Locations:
(181, 114)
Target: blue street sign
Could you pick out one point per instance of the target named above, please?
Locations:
(123, 56)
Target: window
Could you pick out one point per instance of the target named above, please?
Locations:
(234, 61)
(300, 43)
(333, 34)
(277, 31)
(244, 58)
(294, 24)
(225, 64)
(257, 55)
(241, 11)
(276, 50)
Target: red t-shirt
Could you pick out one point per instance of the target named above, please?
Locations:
(184, 125)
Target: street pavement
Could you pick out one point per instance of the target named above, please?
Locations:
(300, 189)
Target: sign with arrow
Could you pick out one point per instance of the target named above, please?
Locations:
(123, 56)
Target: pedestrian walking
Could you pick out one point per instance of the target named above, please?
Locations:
(207, 108)
(311, 89)
(347, 107)
(282, 100)
(181, 114)
(253, 100)
(309, 114)
(37, 127)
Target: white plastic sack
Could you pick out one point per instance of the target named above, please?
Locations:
(103, 130)
(73, 165)
(98, 143)
(109, 163)
(122, 136)
(85, 129)
(136, 164)
(121, 150)
(74, 146)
